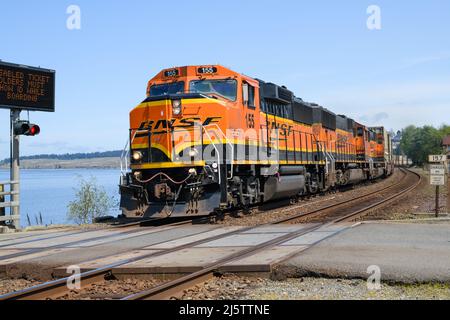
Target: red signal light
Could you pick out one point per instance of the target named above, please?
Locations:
(34, 130)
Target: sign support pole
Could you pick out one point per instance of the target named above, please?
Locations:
(448, 192)
(437, 201)
(15, 172)
(437, 174)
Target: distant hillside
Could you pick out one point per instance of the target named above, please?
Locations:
(69, 156)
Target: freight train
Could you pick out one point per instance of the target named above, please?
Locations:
(209, 139)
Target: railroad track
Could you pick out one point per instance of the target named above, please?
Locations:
(167, 290)
(284, 205)
(354, 209)
(329, 212)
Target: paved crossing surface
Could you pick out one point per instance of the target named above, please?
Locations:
(43, 255)
(404, 252)
(407, 252)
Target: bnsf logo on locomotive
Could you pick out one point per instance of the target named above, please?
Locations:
(177, 123)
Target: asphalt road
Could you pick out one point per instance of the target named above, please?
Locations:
(404, 252)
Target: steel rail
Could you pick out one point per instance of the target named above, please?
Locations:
(338, 204)
(58, 287)
(384, 201)
(54, 287)
(167, 289)
(293, 206)
(171, 288)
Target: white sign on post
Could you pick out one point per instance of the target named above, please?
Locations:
(437, 180)
(437, 169)
(437, 158)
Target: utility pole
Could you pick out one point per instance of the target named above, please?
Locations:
(15, 169)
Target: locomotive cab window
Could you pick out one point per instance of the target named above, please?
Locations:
(167, 88)
(248, 95)
(226, 88)
(360, 132)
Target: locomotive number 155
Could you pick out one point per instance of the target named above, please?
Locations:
(250, 120)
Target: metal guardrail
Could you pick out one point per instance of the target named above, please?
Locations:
(8, 204)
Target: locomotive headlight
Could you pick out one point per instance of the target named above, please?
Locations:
(193, 152)
(137, 174)
(176, 107)
(137, 155)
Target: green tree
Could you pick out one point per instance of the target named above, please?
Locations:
(91, 201)
(444, 130)
(418, 143)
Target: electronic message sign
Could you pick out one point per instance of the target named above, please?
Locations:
(26, 88)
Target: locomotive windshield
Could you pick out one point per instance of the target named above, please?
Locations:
(225, 88)
(167, 88)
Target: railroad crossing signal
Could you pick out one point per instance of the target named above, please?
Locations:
(26, 128)
(35, 91)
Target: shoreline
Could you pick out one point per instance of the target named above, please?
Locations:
(94, 163)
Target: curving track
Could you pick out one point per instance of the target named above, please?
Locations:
(328, 215)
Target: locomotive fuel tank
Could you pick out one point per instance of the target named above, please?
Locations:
(283, 187)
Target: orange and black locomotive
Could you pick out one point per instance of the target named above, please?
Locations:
(207, 138)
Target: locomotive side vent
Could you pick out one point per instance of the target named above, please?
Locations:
(271, 91)
(325, 117)
(284, 94)
(303, 112)
(341, 123)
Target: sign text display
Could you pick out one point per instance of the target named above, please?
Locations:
(26, 88)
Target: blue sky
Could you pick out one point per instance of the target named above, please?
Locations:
(322, 50)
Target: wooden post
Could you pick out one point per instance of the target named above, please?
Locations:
(448, 192)
(437, 201)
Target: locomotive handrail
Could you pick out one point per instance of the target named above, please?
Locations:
(125, 153)
(124, 160)
(227, 142)
(218, 155)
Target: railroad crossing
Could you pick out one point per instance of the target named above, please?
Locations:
(327, 239)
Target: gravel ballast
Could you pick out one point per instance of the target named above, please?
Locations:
(232, 287)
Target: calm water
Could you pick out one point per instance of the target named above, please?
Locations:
(49, 191)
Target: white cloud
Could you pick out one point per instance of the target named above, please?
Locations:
(412, 62)
(374, 119)
(394, 105)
